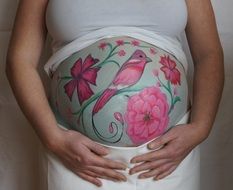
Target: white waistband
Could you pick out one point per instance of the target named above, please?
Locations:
(164, 42)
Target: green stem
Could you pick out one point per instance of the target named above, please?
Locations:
(88, 103)
(96, 96)
(169, 91)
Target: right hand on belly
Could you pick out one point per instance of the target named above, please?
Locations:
(85, 158)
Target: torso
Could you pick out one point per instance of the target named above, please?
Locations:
(140, 105)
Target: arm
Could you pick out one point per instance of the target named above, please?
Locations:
(77, 152)
(26, 43)
(207, 53)
(208, 83)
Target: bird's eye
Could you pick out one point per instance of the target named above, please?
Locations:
(140, 56)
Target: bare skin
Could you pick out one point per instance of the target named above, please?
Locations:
(208, 84)
(82, 155)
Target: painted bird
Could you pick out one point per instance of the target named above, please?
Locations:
(128, 75)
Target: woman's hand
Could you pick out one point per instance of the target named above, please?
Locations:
(84, 157)
(176, 144)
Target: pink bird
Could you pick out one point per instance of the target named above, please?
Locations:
(128, 75)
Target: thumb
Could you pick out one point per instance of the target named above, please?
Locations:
(98, 149)
(160, 141)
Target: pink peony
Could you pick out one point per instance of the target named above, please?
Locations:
(146, 115)
(169, 68)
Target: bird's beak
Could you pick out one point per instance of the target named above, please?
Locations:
(148, 59)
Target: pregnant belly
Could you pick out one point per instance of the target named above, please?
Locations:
(119, 91)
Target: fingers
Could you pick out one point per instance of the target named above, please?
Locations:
(165, 173)
(97, 148)
(105, 162)
(154, 155)
(108, 173)
(155, 172)
(91, 179)
(162, 140)
(147, 166)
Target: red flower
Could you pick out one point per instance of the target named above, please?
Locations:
(120, 42)
(102, 45)
(152, 51)
(169, 68)
(135, 42)
(82, 75)
(121, 53)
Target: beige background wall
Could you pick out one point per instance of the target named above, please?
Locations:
(19, 145)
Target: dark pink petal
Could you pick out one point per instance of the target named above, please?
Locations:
(172, 64)
(90, 75)
(163, 61)
(89, 61)
(167, 72)
(175, 76)
(77, 68)
(83, 90)
(69, 88)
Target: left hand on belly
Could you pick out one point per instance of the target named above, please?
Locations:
(177, 144)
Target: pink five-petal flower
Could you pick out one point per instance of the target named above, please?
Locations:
(169, 68)
(135, 42)
(155, 72)
(146, 115)
(152, 51)
(121, 53)
(120, 42)
(82, 75)
(102, 45)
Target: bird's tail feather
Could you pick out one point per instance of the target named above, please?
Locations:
(106, 95)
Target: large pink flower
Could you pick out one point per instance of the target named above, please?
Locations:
(169, 68)
(146, 115)
(82, 75)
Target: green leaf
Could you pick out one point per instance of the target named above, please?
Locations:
(176, 99)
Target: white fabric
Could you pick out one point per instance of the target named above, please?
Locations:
(186, 176)
(71, 19)
(19, 169)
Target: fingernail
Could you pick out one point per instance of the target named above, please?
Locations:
(131, 172)
(133, 161)
(141, 176)
(123, 167)
(157, 178)
(151, 145)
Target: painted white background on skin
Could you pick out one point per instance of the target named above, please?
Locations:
(19, 144)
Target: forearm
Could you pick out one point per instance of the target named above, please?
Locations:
(207, 90)
(29, 92)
